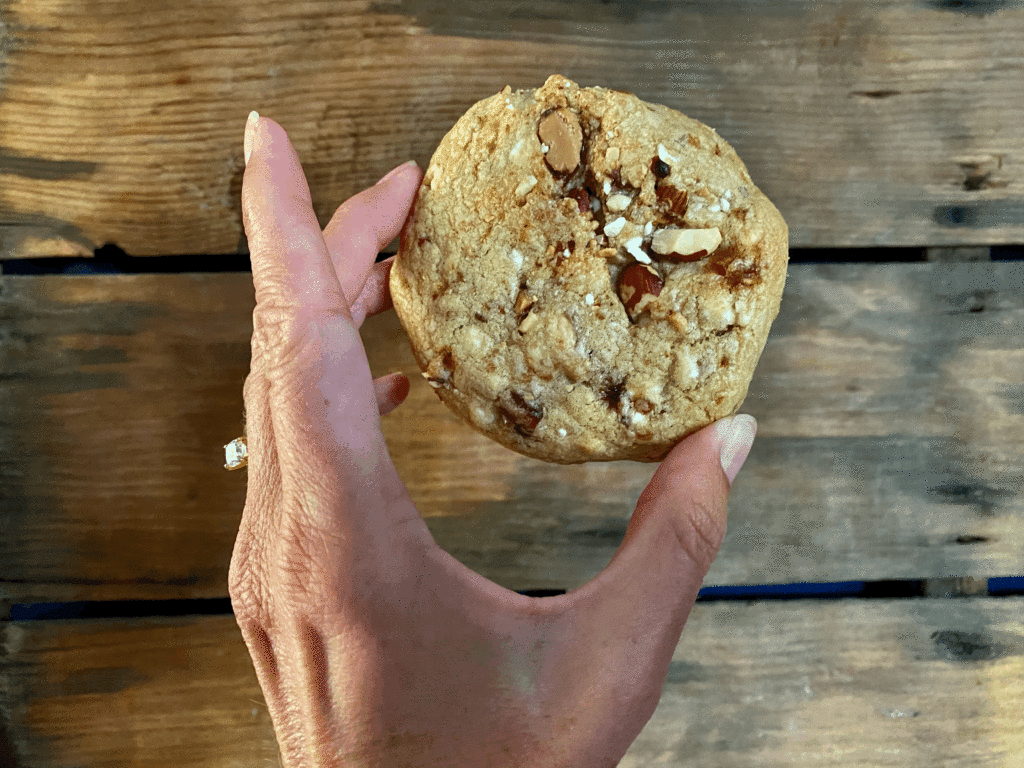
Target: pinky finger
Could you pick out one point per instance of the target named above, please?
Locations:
(391, 391)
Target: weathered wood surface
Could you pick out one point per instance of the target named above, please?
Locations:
(924, 682)
(889, 400)
(894, 122)
(848, 683)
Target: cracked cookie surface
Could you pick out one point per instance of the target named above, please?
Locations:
(585, 276)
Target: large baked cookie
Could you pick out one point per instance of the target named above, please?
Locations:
(588, 277)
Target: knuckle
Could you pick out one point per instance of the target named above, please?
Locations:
(247, 590)
(281, 334)
(298, 569)
(700, 531)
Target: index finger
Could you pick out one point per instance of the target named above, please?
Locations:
(318, 394)
(290, 263)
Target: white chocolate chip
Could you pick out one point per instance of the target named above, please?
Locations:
(482, 415)
(607, 187)
(476, 339)
(589, 298)
(743, 312)
(528, 183)
(717, 312)
(617, 203)
(715, 208)
(614, 228)
(648, 228)
(665, 156)
(517, 258)
(685, 371)
(633, 246)
(562, 432)
(725, 204)
(545, 148)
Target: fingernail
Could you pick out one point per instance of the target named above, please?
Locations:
(735, 436)
(399, 169)
(250, 132)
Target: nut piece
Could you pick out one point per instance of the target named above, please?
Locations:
(639, 285)
(522, 416)
(618, 203)
(675, 200)
(582, 198)
(528, 322)
(690, 244)
(562, 133)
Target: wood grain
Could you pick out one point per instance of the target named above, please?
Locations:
(775, 685)
(888, 399)
(852, 683)
(889, 123)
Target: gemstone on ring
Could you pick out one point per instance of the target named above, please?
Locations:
(236, 454)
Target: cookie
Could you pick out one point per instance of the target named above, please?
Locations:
(585, 276)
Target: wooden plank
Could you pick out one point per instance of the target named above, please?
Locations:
(116, 396)
(851, 683)
(803, 683)
(888, 398)
(141, 692)
(889, 123)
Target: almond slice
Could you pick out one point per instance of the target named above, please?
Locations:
(562, 134)
(686, 242)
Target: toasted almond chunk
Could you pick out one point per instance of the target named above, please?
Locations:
(561, 133)
(686, 242)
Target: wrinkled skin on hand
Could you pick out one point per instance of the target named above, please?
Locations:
(373, 646)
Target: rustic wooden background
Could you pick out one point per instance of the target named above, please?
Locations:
(890, 397)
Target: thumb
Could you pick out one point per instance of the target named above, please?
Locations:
(690, 489)
(635, 609)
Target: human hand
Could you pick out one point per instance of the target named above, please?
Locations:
(373, 646)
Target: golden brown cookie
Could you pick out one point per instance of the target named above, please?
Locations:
(588, 277)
